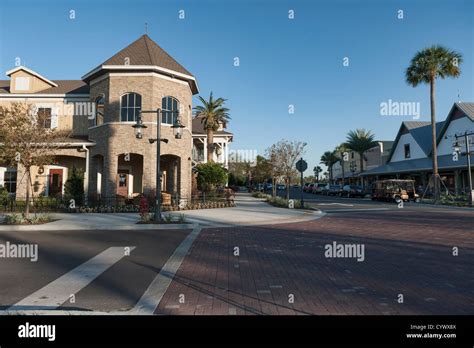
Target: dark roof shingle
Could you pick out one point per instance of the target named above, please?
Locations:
(145, 51)
(198, 127)
(64, 87)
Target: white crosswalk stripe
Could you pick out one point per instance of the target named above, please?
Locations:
(60, 290)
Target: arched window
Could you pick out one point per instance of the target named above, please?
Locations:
(99, 110)
(130, 105)
(169, 107)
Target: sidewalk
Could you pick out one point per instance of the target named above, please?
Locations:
(249, 211)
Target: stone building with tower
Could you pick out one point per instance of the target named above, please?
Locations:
(99, 112)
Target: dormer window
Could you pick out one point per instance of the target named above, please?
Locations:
(407, 151)
(130, 106)
(22, 83)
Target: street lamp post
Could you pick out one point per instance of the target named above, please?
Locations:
(177, 128)
(457, 149)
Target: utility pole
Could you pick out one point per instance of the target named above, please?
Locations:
(468, 156)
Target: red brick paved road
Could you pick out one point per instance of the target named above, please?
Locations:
(406, 252)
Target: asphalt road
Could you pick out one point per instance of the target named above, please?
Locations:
(332, 204)
(409, 250)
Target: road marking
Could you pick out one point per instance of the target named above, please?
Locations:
(342, 204)
(151, 298)
(354, 210)
(59, 291)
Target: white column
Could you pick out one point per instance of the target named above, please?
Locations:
(205, 150)
(86, 176)
(226, 154)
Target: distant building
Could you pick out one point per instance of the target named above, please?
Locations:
(411, 155)
(373, 158)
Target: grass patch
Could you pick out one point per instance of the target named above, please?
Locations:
(167, 219)
(20, 219)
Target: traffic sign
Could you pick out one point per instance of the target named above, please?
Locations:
(301, 165)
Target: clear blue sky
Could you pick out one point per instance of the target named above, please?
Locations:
(282, 61)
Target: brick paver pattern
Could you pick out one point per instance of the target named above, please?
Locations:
(406, 252)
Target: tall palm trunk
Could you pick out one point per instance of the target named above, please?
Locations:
(361, 154)
(436, 182)
(210, 145)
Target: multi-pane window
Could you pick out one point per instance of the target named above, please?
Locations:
(9, 180)
(407, 150)
(99, 110)
(169, 107)
(44, 117)
(130, 106)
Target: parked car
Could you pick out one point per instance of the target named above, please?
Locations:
(281, 187)
(331, 190)
(394, 190)
(318, 188)
(259, 187)
(268, 187)
(310, 188)
(296, 186)
(351, 191)
(306, 187)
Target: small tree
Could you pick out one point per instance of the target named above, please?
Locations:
(261, 171)
(360, 141)
(329, 158)
(26, 142)
(74, 187)
(284, 156)
(210, 175)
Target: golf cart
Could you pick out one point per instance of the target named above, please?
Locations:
(394, 190)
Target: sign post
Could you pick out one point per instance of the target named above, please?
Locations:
(301, 166)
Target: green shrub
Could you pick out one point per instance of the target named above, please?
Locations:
(20, 219)
(3, 196)
(74, 187)
(181, 218)
(260, 195)
(210, 176)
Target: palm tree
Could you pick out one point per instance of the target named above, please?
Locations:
(340, 150)
(425, 67)
(360, 141)
(213, 114)
(329, 158)
(317, 170)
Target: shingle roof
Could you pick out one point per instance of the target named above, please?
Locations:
(445, 162)
(198, 128)
(422, 136)
(64, 87)
(467, 108)
(421, 133)
(145, 51)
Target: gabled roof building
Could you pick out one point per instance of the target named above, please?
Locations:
(105, 105)
(411, 155)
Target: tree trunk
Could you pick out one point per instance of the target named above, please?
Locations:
(434, 152)
(210, 145)
(361, 169)
(27, 200)
(288, 180)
